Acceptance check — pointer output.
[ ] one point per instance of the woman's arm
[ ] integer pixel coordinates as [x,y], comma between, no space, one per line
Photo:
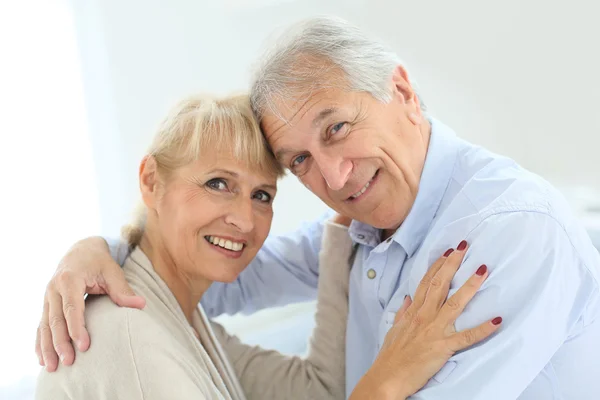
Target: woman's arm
[266,374]
[423,336]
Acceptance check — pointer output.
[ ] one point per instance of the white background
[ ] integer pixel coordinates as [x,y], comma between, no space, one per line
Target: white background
[84,83]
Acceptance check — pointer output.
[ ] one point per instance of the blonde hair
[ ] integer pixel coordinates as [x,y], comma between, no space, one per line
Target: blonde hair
[206,123]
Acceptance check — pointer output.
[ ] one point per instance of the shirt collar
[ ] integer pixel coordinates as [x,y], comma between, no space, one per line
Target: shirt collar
[437,171]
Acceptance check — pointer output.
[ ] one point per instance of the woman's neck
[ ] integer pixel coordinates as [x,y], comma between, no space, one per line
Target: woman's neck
[187,290]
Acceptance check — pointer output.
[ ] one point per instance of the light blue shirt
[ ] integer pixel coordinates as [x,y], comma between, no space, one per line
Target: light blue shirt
[544,278]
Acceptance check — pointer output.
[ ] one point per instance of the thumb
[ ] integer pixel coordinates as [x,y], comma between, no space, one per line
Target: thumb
[402,310]
[121,293]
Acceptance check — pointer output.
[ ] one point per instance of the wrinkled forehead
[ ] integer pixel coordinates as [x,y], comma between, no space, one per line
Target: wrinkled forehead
[296,116]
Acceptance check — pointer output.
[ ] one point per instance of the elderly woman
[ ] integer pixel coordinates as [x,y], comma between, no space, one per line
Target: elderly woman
[207,187]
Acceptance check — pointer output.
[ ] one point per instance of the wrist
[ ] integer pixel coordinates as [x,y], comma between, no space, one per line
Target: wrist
[373,387]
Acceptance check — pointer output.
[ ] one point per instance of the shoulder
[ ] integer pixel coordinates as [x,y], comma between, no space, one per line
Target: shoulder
[492,183]
[106,369]
[491,191]
[110,367]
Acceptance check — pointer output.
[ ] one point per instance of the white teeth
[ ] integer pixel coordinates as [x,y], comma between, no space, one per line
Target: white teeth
[226,244]
[361,191]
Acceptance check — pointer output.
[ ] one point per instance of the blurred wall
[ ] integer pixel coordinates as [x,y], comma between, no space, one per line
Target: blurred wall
[519,77]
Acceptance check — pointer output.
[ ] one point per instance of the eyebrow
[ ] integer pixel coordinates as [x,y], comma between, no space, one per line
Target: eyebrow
[236,175]
[280,154]
[322,115]
[224,171]
[272,187]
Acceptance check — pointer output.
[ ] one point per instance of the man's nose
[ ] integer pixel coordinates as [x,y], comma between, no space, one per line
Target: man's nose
[335,170]
[241,215]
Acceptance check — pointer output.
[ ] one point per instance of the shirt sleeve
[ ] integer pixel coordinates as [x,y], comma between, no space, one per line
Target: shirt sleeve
[119,250]
[285,271]
[540,287]
[266,374]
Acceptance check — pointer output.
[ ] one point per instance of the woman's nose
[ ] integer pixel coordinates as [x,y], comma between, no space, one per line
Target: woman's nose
[241,215]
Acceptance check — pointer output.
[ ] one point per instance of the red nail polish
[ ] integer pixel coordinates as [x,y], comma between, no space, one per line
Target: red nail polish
[497,321]
[481,270]
[448,252]
[462,245]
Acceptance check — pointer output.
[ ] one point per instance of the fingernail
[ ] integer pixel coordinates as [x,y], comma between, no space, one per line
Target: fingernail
[79,344]
[462,245]
[448,252]
[481,270]
[62,357]
[497,321]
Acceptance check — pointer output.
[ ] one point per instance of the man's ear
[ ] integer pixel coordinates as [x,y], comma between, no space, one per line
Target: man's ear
[403,90]
[148,175]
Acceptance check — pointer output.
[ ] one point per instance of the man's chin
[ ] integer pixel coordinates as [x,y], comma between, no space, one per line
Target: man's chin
[386,222]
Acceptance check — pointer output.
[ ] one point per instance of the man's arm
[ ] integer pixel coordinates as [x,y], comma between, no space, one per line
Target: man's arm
[285,271]
[537,283]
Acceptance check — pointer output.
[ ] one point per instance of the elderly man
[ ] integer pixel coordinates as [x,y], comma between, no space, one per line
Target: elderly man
[340,112]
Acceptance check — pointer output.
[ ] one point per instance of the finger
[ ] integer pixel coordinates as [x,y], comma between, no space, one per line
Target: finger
[72,291]
[458,301]
[47,347]
[407,302]
[38,347]
[462,340]
[58,325]
[439,286]
[121,293]
[421,291]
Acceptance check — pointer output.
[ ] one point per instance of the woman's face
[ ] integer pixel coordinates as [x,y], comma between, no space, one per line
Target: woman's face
[211,216]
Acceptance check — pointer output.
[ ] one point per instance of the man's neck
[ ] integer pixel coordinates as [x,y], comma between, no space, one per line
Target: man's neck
[425,130]
[187,290]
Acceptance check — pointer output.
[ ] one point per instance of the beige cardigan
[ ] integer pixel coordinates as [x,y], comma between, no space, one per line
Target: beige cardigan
[154,354]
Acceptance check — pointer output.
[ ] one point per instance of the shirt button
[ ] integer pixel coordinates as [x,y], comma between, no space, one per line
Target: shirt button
[360,236]
[371,274]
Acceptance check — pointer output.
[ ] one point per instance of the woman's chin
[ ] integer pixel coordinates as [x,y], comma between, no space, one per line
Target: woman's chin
[228,275]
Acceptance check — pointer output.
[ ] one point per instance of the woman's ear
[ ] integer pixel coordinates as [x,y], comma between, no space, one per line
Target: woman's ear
[148,175]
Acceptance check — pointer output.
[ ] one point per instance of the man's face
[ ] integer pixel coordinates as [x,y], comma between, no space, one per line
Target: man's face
[362,157]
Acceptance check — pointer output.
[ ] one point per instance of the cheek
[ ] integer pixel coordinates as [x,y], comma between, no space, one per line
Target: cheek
[313,180]
[182,216]
[263,219]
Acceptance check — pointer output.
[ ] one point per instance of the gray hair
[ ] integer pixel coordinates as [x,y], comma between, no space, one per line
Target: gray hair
[318,53]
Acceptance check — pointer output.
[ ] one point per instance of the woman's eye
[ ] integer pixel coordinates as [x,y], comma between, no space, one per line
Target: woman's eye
[336,128]
[263,197]
[298,160]
[217,184]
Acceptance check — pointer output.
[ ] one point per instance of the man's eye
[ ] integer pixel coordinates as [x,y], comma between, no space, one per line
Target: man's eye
[298,160]
[217,184]
[263,197]
[337,127]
